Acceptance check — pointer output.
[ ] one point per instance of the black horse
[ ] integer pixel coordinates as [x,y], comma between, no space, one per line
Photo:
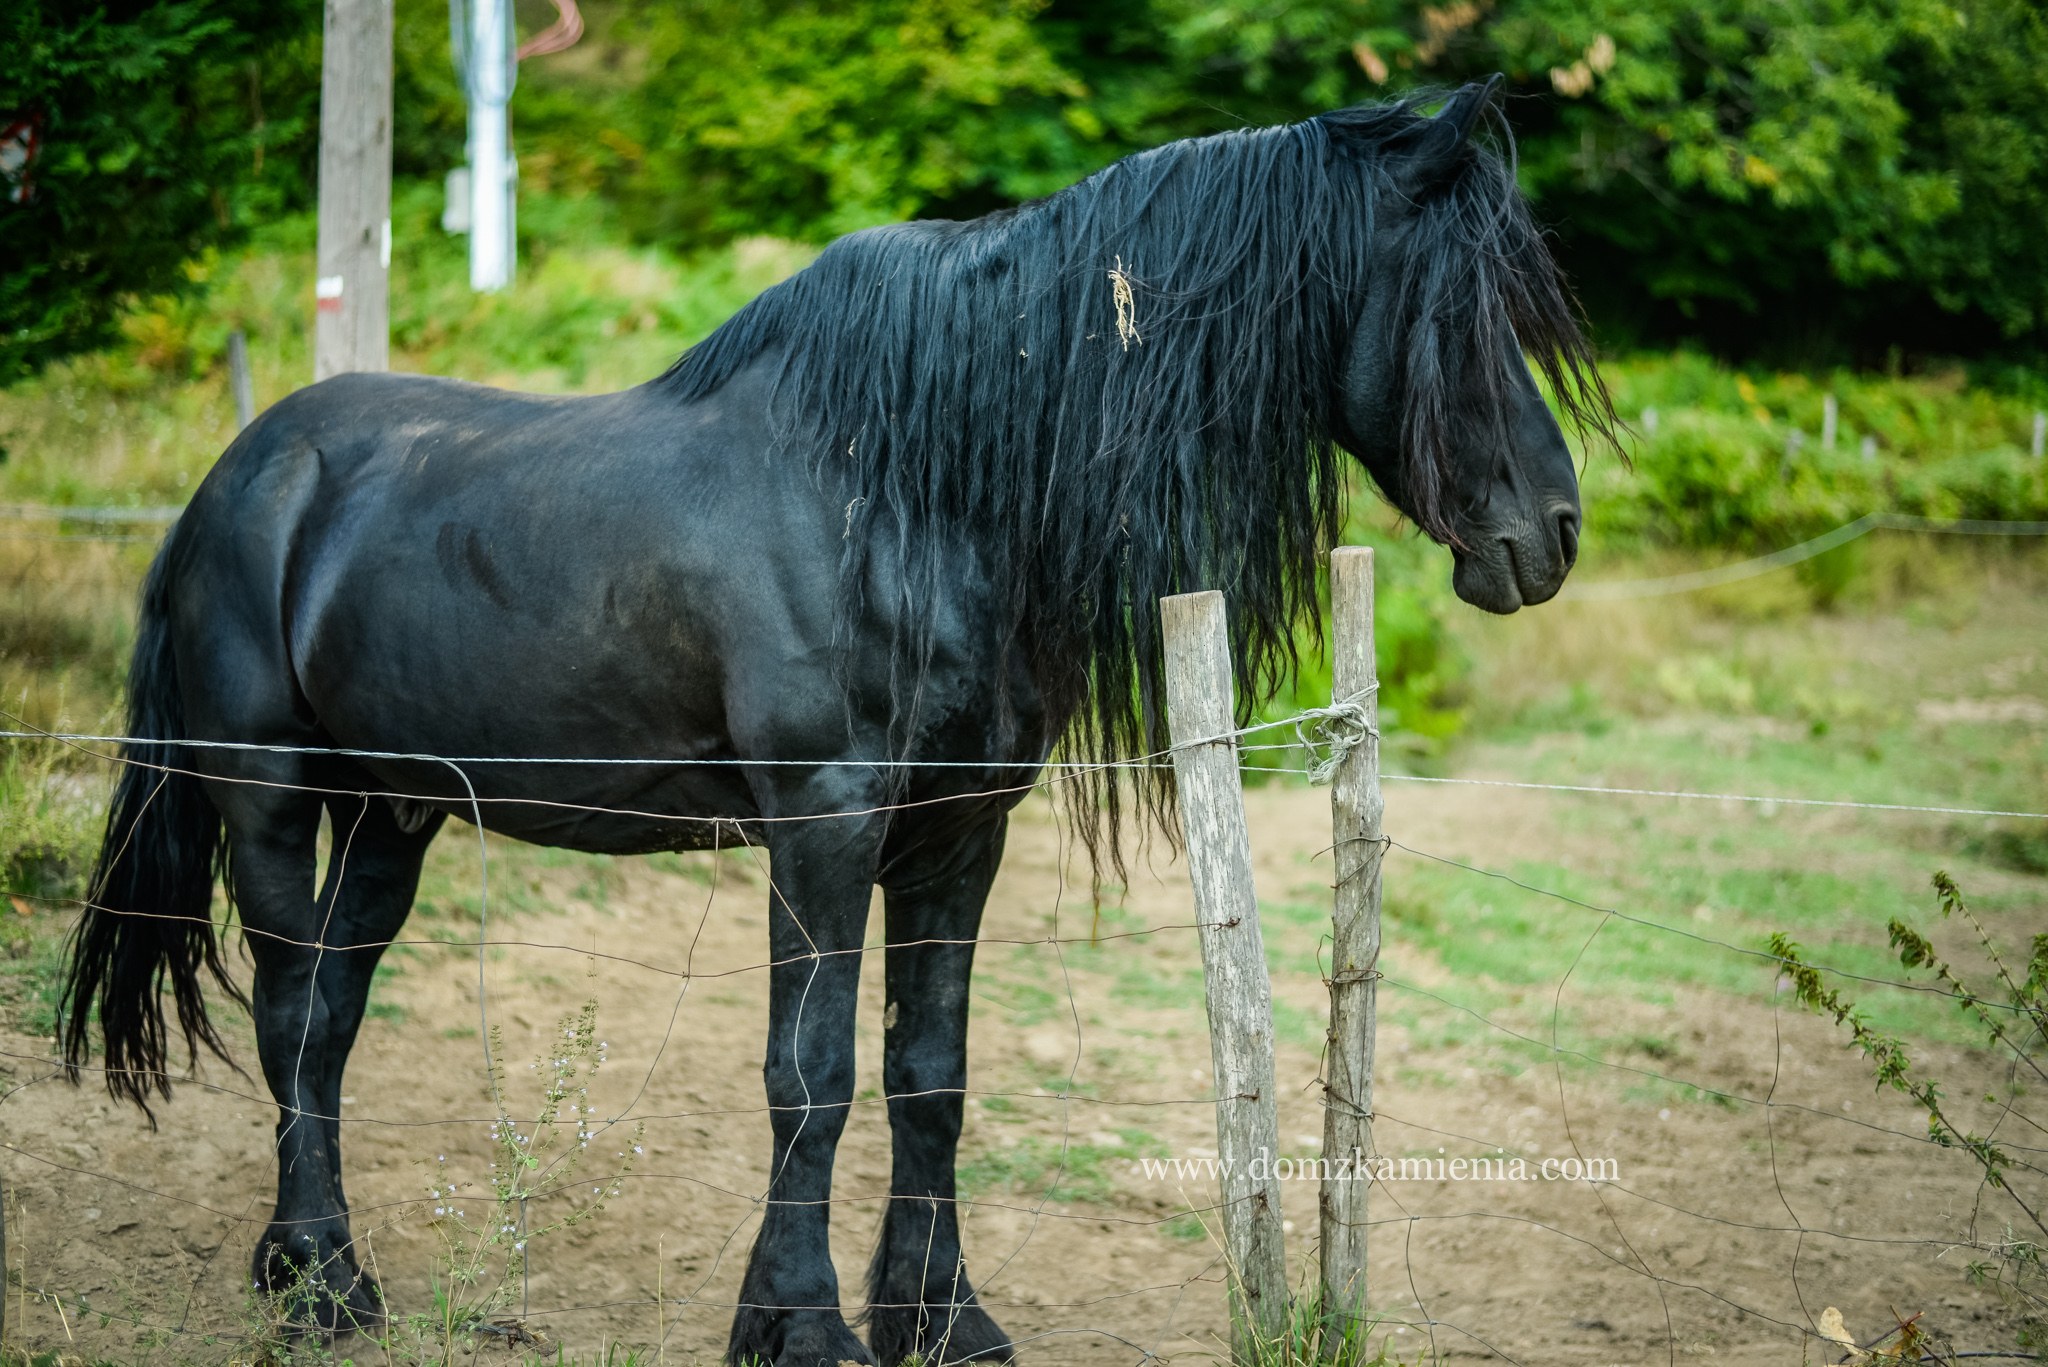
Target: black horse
[875,547]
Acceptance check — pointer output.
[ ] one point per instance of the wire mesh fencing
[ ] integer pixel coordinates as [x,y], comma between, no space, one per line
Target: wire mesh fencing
[1606,1129]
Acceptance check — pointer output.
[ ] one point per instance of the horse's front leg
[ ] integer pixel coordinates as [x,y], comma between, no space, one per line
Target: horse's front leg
[920,1303]
[822,871]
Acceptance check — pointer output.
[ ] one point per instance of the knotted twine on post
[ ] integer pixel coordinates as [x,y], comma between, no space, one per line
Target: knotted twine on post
[1330,733]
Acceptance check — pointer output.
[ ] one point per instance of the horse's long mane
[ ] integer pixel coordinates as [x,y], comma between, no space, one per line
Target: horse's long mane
[1126,390]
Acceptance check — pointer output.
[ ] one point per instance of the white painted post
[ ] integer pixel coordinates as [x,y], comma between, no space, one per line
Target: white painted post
[239,381]
[1355,811]
[489,74]
[1830,414]
[1240,997]
[2040,433]
[352,293]
[1795,441]
[1869,448]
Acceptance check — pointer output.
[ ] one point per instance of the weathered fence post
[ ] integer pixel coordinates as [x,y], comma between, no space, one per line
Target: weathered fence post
[1240,997]
[2040,441]
[1355,810]
[1830,415]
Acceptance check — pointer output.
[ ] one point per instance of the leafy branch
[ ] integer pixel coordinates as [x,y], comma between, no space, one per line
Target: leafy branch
[2014,1019]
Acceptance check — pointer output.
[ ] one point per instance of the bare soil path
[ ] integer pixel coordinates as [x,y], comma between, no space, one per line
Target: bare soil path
[1731,1226]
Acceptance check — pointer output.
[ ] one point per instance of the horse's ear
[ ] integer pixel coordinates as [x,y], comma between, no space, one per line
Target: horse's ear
[1437,151]
[1461,113]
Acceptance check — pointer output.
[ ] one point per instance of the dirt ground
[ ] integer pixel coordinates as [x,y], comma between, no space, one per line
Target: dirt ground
[1731,1228]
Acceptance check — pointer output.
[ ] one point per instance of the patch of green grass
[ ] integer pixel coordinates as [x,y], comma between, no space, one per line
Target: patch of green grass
[1040,1168]
[705,868]
[452,887]
[378,1007]
[1149,982]
[50,823]
[1661,1092]
[2013,845]
[1686,925]
[50,820]
[1014,987]
[1913,701]
[610,1355]
[32,967]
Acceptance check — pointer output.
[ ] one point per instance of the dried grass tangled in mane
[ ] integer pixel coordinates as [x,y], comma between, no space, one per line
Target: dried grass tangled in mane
[1127,390]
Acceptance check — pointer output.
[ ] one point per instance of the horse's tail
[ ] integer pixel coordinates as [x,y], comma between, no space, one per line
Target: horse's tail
[149,914]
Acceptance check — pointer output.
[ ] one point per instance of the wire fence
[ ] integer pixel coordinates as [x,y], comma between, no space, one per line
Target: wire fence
[1745,1230]
[1431,1329]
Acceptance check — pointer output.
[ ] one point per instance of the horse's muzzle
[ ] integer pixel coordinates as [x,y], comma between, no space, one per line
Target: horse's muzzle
[1501,569]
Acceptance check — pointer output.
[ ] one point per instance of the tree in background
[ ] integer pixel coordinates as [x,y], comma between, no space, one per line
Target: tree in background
[151,135]
[1814,178]
[1811,177]
[805,118]
[159,132]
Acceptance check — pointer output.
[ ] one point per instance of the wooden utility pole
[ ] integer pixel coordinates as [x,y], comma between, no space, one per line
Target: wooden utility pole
[1239,994]
[1355,810]
[352,294]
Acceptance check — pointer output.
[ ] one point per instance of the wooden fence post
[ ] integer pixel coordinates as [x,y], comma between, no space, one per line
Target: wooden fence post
[1355,809]
[1240,996]
[352,295]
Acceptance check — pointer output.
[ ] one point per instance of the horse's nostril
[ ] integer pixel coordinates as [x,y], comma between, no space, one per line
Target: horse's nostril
[1568,536]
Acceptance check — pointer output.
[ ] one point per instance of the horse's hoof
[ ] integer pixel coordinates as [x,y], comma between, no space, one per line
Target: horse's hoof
[935,1335]
[794,1338]
[310,1274]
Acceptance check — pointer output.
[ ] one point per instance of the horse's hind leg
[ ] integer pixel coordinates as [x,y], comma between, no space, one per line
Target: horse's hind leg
[920,1302]
[371,893]
[314,958]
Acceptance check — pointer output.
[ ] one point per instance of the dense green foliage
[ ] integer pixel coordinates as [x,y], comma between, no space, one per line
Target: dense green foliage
[1724,460]
[161,129]
[1799,180]
[1807,178]
[165,132]
[1817,171]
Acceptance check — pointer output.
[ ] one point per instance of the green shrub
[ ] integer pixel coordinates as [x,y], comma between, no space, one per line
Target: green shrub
[1716,462]
[49,823]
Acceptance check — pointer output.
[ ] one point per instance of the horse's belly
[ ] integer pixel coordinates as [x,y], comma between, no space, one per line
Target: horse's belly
[605,820]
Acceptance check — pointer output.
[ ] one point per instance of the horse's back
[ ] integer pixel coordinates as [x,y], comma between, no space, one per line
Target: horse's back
[401,563]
